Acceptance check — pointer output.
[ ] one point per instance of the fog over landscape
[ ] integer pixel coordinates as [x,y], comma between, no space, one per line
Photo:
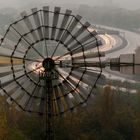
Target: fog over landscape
[127,4]
[122,14]
[69,69]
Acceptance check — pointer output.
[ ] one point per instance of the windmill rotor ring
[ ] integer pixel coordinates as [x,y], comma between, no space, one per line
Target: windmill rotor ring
[49,40]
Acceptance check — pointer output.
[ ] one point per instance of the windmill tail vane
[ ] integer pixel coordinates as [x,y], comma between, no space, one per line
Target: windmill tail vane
[125,63]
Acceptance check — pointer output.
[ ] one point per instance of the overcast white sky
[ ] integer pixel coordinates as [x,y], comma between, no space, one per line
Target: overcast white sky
[129,4]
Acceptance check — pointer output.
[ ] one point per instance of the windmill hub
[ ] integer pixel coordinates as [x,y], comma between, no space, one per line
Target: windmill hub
[48,64]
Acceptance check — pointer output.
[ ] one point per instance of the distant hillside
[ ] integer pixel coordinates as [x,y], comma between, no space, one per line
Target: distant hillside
[111,16]
[6,16]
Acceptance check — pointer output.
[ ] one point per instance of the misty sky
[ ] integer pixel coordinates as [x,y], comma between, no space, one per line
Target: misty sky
[129,4]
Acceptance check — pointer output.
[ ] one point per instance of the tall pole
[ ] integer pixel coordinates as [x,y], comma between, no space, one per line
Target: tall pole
[49,107]
[48,75]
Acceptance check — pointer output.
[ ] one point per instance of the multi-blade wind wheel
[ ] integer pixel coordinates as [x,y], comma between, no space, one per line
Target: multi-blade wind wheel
[50,63]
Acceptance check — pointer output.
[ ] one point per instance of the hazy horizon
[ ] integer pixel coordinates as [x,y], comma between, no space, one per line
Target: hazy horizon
[127,4]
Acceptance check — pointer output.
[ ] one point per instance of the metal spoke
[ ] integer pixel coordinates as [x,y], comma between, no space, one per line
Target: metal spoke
[65,79]
[33,60]
[74,88]
[10,97]
[68,53]
[46,48]
[15,57]
[27,73]
[27,59]
[32,93]
[29,43]
[61,37]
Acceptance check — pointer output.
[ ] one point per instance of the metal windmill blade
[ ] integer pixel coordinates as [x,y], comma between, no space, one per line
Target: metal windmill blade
[51,62]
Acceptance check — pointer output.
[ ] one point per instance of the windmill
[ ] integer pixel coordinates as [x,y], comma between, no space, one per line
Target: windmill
[51,63]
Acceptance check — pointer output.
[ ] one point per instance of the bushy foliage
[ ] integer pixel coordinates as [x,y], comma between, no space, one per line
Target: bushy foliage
[112,116]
